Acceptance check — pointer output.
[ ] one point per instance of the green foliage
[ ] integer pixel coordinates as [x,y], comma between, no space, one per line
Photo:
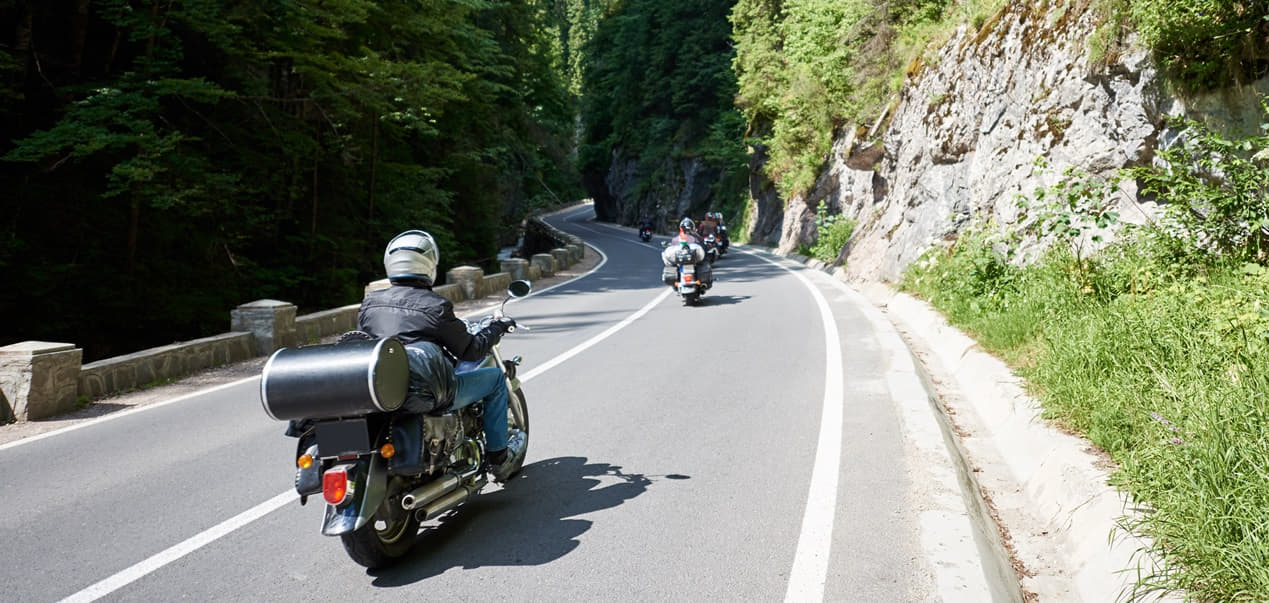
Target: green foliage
[1163,368]
[1075,211]
[1216,190]
[1156,348]
[195,155]
[833,232]
[1205,43]
[658,87]
[808,68]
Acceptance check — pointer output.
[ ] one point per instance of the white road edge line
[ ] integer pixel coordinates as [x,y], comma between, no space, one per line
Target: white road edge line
[197,541]
[810,562]
[123,413]
[127,576]
[596,339]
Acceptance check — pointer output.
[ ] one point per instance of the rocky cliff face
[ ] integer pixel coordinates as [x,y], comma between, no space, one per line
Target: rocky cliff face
[964,137]
[680,187]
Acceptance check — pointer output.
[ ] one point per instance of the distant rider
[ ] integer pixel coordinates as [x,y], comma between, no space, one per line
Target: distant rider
[410,311]
[686,239]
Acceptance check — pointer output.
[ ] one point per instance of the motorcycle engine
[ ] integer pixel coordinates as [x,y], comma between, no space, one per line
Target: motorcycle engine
[441,435]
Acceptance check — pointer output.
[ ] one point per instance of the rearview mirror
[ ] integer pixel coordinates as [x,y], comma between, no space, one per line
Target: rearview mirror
[519,288]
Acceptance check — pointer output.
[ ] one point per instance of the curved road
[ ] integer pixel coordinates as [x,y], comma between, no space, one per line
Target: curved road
[773,443]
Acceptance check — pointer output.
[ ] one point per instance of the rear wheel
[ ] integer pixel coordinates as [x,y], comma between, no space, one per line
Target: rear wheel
[387,536]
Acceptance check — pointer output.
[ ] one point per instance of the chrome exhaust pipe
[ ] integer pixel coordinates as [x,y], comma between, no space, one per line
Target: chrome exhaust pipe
[451,500]
[439,487]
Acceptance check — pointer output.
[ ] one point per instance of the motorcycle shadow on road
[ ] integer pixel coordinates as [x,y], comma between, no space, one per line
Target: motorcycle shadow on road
[722,300]
[528,522]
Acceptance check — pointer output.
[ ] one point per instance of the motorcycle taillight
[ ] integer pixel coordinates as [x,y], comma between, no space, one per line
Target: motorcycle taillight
[335,485]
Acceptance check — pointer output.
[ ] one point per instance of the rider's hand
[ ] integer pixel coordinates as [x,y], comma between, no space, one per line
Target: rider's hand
[506,324]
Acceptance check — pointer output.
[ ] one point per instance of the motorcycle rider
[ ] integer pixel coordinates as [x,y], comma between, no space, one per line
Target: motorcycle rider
[410,311]
[686,238]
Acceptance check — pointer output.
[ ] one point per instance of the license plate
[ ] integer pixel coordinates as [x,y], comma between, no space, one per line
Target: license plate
[689,269]
[342,437]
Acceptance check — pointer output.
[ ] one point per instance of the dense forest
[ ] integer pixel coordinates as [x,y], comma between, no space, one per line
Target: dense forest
[167,160]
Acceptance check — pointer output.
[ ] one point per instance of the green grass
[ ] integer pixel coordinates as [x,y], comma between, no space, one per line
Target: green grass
[1163,364]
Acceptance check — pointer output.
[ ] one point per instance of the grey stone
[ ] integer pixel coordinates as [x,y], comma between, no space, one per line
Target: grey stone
[467,278]
[495,285]
[38,378]
[516,267]
[544,262]
[272,322]
[562,258]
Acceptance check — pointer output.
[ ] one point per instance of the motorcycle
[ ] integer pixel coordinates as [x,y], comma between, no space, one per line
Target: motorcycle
[380,472]
[687,271]
[711,248]
[645,234]
[723,240]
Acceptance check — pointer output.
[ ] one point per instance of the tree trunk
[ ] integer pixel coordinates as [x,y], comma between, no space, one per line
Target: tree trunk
[22,44]
[312,226]
[374,159]
[79,32]
[134,225]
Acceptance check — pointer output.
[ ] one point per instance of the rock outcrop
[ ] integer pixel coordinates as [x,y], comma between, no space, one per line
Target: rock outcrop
[965,134]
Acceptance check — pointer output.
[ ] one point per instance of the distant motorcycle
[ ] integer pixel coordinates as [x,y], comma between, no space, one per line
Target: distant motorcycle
[687,271]
[381,473]
[711,248]
[645,234]
[723,240]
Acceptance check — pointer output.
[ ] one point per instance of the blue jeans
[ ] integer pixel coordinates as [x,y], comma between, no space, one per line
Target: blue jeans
[489,385]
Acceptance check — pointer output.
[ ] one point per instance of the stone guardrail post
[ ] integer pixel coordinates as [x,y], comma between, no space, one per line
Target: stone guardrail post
[577,252]
[272,322]
[518,268]
[38,379]
[467,278]
[562,257]
[545,262]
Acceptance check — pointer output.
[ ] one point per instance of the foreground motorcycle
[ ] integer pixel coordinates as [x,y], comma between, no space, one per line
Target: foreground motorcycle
[687,271]
[382,472]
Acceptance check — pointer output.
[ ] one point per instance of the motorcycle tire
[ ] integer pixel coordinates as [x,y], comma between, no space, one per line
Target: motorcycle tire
[382,541]
[518,418]
[691,299]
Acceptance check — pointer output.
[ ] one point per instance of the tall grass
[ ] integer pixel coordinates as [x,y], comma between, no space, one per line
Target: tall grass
[1164,365]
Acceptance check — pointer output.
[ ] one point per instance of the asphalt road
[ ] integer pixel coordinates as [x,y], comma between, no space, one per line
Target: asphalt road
[769,444]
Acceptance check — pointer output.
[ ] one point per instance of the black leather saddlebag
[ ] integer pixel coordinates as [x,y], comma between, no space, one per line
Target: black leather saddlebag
[337,380]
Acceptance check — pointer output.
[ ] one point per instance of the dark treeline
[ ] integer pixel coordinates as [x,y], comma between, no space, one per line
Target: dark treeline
[166,160]
[659,88]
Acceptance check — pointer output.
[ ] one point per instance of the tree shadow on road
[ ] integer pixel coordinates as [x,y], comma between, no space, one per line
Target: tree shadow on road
[528,522]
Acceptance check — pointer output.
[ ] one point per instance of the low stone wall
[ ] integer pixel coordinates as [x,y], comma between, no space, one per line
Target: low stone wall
[41,379]
[123,373]
[311,328]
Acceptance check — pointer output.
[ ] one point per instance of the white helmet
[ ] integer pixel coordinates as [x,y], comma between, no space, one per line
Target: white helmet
[411,255]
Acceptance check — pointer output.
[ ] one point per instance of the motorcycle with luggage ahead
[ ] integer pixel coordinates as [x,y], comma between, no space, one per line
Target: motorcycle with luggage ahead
[686,270]
[381,471]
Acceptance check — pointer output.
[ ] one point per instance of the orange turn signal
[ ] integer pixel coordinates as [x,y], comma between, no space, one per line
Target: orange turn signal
[305,461]
[387,451]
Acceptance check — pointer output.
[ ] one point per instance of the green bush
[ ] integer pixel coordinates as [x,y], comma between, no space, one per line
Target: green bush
[1205,43]
[1156,349]
[834,232]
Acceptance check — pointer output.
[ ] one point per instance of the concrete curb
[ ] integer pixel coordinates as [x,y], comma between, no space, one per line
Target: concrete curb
[1048,489]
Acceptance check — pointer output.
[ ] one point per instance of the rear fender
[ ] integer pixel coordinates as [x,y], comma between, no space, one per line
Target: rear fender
[370,474]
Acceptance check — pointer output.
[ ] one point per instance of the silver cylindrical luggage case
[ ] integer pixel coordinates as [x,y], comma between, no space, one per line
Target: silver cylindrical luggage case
[336,380]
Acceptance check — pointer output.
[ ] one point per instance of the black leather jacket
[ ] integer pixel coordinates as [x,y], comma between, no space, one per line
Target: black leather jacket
[418,314]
